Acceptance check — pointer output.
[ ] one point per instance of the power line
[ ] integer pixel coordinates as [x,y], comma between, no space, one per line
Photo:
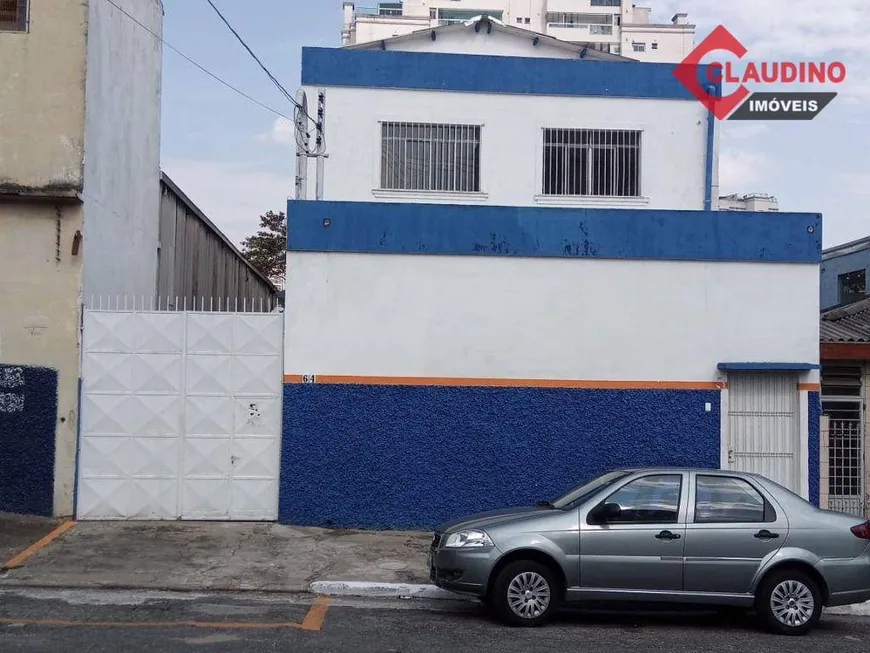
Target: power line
[257,59]
[198,65]
[301,129]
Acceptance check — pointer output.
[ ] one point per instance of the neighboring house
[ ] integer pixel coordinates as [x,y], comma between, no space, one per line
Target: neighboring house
[79,168]
[753,202]
[844,273]
[81,223]
[506,289]
[845,354]
[614,26]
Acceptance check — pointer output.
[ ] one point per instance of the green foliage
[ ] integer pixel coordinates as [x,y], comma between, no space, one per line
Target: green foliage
[267,249]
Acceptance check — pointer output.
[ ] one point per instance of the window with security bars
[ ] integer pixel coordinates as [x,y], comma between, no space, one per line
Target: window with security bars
[591,163]
[430,157]
[13,15]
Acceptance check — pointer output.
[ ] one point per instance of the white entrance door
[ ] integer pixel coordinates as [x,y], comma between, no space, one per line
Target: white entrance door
[763,435]
[181,416]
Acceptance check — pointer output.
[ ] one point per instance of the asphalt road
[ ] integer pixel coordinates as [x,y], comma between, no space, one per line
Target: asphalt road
[96,621]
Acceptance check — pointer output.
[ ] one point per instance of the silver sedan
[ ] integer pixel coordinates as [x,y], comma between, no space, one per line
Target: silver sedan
[664,535]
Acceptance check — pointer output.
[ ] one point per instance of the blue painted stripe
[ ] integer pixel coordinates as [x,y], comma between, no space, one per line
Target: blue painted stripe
[709,163]
[467,230]
[769,367]
[78,453]
[491,74]
[814,463]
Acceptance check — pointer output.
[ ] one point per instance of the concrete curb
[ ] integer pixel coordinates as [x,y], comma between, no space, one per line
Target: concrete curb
[857,610]
[384,590]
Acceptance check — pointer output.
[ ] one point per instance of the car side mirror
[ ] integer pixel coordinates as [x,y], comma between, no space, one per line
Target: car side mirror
[604,512]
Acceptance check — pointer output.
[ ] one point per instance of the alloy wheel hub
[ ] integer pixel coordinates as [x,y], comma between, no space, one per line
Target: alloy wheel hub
[528,595]
[792,603]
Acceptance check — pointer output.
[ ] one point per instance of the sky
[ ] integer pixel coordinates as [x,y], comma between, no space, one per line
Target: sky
[236,159]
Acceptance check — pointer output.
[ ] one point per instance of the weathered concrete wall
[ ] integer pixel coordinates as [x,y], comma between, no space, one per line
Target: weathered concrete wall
[39,283]
[42,100]
[122,149]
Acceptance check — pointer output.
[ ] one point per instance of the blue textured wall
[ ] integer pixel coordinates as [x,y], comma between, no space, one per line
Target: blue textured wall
[412,457]
[815,465]
[493,74]
[28,415]
[570,232]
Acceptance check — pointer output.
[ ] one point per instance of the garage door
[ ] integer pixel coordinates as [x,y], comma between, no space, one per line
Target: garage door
[180,416]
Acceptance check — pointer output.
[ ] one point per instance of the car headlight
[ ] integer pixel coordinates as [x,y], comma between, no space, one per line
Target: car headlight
[468,540]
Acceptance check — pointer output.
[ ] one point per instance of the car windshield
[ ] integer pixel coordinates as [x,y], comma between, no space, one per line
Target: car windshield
[580,493]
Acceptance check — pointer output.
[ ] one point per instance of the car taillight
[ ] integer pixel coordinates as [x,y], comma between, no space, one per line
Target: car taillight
[862,531]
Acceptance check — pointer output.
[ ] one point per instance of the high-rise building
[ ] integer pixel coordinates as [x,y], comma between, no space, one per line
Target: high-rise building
[615,26]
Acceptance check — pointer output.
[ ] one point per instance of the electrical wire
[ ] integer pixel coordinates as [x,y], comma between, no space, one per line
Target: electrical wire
[198,65]
[302,133]
[257,59]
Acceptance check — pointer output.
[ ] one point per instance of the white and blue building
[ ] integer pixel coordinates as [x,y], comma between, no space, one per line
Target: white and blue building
[517,277]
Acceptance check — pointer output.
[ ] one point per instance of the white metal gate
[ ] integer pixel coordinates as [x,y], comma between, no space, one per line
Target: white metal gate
[180,415]
[764,426]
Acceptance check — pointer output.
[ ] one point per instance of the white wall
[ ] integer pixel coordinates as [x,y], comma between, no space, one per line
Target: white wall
[673,45]
[122,149]
[378,28]
[673,149]
[527,318]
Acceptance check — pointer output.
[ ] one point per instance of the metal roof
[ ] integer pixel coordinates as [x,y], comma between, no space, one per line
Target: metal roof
[580,49]
[849,323]
[846,248]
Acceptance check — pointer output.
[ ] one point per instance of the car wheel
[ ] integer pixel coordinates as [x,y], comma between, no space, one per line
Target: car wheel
[525,593]
[789,602]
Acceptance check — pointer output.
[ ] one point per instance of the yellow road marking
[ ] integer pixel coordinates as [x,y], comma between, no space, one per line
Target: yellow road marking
[313,621]
[217,625]
[18,560]
[316,613]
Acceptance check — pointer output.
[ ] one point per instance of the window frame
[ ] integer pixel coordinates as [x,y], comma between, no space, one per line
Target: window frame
[550,198]
[23,20]
[841,299]
[769,514]
[638,46]
[377,161]
[681,501]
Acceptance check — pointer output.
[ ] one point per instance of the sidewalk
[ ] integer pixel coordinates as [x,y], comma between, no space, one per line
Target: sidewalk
[197,556]
[208,556]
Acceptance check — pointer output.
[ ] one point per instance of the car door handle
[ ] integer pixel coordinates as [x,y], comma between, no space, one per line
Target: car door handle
[667,535]
[765,535]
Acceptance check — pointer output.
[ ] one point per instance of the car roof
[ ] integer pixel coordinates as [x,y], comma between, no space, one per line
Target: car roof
[700,470]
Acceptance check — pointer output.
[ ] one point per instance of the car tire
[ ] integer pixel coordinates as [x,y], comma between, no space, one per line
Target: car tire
[789,602]
[525,593]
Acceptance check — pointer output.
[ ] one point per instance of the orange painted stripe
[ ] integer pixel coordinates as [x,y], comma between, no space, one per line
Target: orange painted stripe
[810,387]
[329,379]
[18,560]
[316,613]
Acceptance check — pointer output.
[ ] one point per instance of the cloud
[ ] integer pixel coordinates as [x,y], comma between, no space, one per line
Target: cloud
[857,183]
[741,171]
[790,29]
[283,132]
[232,195]
[743,131]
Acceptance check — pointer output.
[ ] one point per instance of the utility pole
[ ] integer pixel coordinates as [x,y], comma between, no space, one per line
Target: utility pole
[303,144]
